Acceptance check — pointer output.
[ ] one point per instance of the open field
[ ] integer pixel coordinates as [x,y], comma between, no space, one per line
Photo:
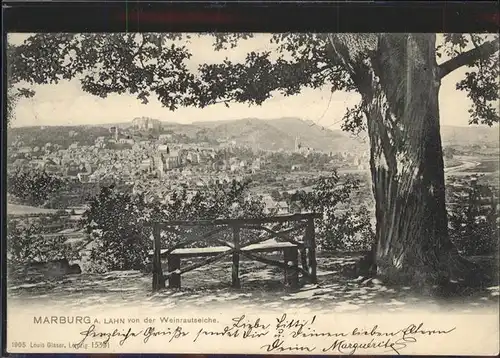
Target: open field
[15,209]
[486,165]
[474,164]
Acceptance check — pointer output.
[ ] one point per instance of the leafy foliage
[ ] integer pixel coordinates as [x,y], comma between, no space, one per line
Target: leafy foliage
[32,187]
[481,79]
[25,244]
[56,135]
[115,221]
[220,200]
[108,63]
[275,195]
[347,229]
[156,64]
[474,225]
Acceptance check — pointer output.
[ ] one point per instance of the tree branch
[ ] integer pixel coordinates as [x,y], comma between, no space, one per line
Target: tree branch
[467,58]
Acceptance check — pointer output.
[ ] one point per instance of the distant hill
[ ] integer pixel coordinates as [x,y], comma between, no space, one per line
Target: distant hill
[318,137]
[254,133]
[470,135]
[273,134]
[279,133]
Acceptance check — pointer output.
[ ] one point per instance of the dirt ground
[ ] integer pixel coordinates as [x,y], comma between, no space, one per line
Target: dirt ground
[261,287]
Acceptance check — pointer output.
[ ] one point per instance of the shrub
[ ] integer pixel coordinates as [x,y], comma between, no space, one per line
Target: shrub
[276,195]
[339,229]
[33,187]
[220,200]
[25,245]
[114,221]
[474,226]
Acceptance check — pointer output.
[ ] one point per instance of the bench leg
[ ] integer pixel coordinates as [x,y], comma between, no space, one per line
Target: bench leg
[174,263]
[158,281]
[291,256]
[235,273]
[303,259]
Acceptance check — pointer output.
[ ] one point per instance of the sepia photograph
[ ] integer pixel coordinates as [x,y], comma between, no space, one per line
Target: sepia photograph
[285,193]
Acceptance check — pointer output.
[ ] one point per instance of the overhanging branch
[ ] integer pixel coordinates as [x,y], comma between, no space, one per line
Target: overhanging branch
[468,57]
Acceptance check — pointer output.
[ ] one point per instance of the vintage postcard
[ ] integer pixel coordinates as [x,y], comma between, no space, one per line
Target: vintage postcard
[253,193]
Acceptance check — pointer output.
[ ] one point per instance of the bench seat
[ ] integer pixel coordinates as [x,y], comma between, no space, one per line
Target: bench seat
[200,251]
[269,246]
[290,252]
[265,246]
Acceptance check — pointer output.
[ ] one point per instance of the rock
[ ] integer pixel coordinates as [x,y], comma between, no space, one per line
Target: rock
[395,302]
[346,307]
[367,281]
[376,281]
[148,268]
[52,269]
[75,269]
[309,286]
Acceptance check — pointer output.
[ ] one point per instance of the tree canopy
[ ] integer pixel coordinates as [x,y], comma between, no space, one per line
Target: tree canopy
[147,65]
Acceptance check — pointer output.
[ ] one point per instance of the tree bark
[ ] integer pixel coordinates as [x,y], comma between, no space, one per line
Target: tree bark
[399,79]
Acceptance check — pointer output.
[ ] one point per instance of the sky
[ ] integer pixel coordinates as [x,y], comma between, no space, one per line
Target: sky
[66,104]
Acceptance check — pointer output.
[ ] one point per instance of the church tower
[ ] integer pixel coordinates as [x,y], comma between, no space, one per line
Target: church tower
[297,143]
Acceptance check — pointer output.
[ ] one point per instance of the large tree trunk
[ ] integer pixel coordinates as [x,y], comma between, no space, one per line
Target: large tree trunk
[406,161]
[399,80]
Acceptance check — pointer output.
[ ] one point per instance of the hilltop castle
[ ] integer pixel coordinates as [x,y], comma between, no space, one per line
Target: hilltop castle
[146,123]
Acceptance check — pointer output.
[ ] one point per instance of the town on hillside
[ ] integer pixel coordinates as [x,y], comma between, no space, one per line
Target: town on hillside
[147,158]
[155,158]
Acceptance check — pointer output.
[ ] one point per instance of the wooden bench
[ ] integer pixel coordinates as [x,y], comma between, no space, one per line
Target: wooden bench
[290,253]
[221,248]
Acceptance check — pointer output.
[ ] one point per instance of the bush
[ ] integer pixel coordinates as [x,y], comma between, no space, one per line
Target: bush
[339,230]
[219,201]
[474,226]
[115,220]
[276,195]
[26,245]
[33,187]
